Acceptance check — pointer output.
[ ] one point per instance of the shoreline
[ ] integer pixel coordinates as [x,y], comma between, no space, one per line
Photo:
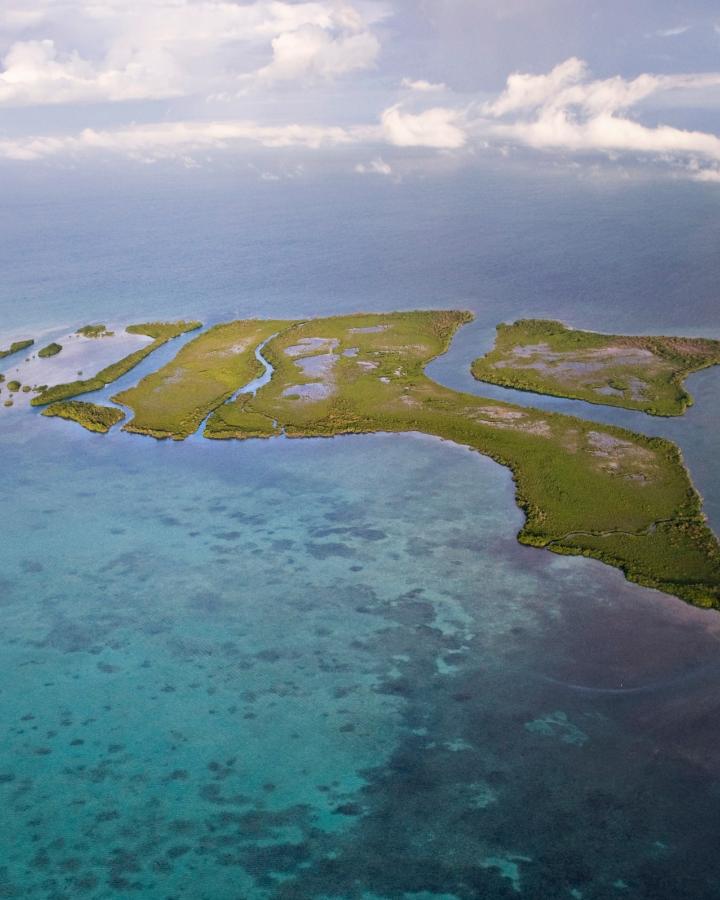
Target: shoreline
[605,492]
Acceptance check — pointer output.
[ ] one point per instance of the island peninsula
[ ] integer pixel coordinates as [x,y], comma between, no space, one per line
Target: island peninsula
[643,373]
[598,491]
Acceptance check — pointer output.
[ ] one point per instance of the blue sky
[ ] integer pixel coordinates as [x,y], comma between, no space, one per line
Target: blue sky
[380,86]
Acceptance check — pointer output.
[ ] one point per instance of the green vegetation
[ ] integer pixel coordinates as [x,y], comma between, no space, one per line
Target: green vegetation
[13,385]
[161,332]
[643,373]
[51,350]
[16,347]
[586,489]
[173,402]
[89,415]
[95,331]
[231,420]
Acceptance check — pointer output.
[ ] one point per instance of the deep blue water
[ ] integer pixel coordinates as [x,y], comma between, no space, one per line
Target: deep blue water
[325,669]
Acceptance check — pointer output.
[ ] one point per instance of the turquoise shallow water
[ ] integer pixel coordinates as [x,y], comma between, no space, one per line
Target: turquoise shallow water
[321,668]
[326,669]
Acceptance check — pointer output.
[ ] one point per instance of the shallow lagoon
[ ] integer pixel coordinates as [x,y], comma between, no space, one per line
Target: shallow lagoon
[326,669]
[79,356]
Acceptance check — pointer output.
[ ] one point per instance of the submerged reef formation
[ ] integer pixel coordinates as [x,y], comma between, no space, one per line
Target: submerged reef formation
[89,415]
[160,332]
[16,347]
[586,489]
[643,373]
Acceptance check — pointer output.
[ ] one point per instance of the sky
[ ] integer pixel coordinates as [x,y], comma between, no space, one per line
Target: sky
[379,87]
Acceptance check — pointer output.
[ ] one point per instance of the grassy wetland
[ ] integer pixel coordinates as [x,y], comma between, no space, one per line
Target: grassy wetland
[640,373]
[160,332]
[174,401]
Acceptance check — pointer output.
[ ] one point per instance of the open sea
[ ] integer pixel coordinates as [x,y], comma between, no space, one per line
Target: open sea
[279,670]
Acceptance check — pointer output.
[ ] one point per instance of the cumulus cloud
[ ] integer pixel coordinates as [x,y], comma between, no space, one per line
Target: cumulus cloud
[422,86]
[569,86]
[315,51]
[566,109]
[93,50]
[35,73]
[375,167]
[439,128]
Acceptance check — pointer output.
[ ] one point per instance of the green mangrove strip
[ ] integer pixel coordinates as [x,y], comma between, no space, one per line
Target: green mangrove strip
[90,415]
[16,347]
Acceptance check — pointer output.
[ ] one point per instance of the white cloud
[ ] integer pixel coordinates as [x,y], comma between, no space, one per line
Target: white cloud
[35,73]
[436,128]
[567,110]
[569,86]
[707,175]
[564,110]
[90,50]
[422,86]
[375,167]
[20,18]
[178,139]
[315,51]
[672,32]
[439,128]
[607,133]
[527,92]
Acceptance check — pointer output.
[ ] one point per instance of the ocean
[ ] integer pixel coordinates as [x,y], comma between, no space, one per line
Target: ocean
[325,668]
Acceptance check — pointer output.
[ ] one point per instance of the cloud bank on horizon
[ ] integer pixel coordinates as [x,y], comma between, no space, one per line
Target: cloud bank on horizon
[183,79]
